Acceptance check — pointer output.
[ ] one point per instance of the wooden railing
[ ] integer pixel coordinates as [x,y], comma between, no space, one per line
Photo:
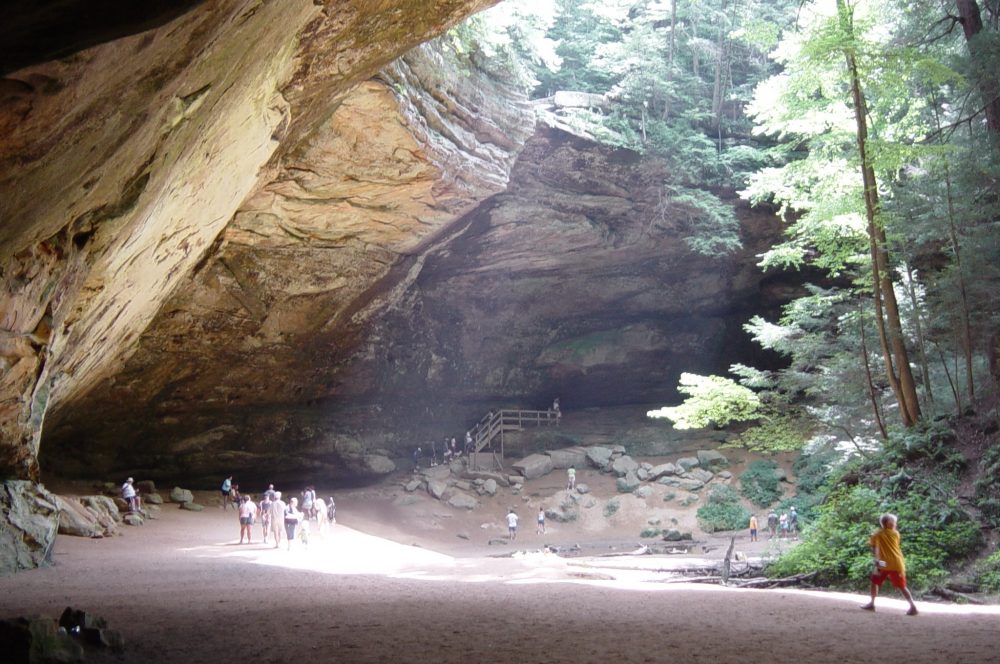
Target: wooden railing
[492,427]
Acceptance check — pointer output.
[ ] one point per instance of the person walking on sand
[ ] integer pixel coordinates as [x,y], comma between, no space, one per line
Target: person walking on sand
[772,524]
[571,478]
[541,521]
[511,525]
[247,511]
[753,527]
[277,518]
[889,562]
[227,487]
[264,510]
[293,517]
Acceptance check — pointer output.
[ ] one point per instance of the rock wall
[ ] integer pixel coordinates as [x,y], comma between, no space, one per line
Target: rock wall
[121,165]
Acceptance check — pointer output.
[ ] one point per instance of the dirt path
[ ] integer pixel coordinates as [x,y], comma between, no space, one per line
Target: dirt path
[182,590]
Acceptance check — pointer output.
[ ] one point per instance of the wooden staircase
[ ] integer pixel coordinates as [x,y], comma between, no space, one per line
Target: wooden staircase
[488,434]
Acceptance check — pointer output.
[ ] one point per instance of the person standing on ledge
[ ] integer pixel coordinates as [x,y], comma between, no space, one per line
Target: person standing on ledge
[227,486]
[889,562]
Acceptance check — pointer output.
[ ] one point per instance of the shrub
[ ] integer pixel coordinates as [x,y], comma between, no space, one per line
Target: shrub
[988,574]
[651,532]
[760,484]
[723,511]
[934,530]
[988,487]
[611,507]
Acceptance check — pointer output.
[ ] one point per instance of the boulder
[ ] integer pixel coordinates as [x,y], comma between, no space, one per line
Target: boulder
[490,487]
[656,472]
[152,498]
[461,500]
[145,486]
[77,520]
[617,450]
[412,485]
[643,492]
[29,521]
[534,466]
[582,488]
[517,480]
[568,457]
[628,483]
[463,485]
[437,488]
[624,465]
[642,474]
[599,457]
[179,495]
[192,506]
[712,459]
[104,507]
[726,475]
[690,484]
[499,478]
[441,472]
[687,463]
[133,519]
[699,474]
[120,504]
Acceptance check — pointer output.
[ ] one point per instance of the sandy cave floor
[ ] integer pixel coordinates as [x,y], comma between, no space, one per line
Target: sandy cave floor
[393,583]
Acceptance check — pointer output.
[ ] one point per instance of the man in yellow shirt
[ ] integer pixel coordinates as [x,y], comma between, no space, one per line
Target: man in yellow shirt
[889,562]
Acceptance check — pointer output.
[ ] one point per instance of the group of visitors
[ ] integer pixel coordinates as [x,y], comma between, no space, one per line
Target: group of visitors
[785,526]
[450,450]
[280,520]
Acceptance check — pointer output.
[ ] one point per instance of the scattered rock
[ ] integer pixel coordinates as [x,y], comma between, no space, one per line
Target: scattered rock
[152,498]
[669,495]
[643,492]
[726,475]
[687,463]
[712,459]
[437,488]
[561,515]
[588,502]
[461,535]
[436,472]
[120,504]
[582,488]
[412,485]
[515,480]
[498,541]
[490,487]
[534,466]
[642,474]
[192,506]
[624,465]
[179,495]
[688,499]
[700,474]
[499,478]
[653,521]
[463,501]
[463,485]
[627,484]
[145,486]
[133,519]
[599,457]
[618,449]
[569,457]
[663,469]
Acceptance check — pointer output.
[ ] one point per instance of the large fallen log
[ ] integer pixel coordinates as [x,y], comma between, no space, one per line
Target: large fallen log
[960,598]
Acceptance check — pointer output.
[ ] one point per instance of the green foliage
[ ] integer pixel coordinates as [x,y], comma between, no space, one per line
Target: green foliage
[988,486]
[611,507]
[988,573]
[708,226]
[927,444]
[714,401]
[934,529]
[760,483]
[650,532]
[723,511]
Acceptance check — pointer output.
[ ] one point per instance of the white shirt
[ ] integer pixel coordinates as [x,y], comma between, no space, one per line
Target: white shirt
[511,520]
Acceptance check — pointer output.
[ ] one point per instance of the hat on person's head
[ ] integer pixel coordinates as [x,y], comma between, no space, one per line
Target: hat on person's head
[130,480]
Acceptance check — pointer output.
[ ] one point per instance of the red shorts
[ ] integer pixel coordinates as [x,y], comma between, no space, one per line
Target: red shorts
[895,578]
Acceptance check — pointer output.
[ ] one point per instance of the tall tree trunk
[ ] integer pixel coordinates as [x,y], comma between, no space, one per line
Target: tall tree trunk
[670,57]
[989,85]
[925,372]
[872,393]
[887,319]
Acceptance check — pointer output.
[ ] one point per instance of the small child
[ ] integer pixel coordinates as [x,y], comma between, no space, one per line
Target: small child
[889,562]
[541,521]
